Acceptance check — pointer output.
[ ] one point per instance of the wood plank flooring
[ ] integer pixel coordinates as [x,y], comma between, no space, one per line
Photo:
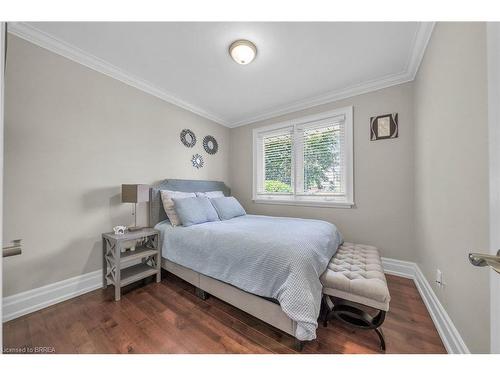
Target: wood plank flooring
[169,318]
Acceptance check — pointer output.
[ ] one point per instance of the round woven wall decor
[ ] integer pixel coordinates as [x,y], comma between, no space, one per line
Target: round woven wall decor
[197,161]
[188,138]
[210,145]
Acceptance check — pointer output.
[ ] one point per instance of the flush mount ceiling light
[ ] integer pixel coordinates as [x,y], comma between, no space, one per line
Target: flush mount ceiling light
[243,51]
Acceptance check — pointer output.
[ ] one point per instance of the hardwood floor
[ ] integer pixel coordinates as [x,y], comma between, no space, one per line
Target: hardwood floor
[169,318]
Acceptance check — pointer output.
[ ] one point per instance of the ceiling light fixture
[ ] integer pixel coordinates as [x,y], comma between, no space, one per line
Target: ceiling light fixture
[243,51]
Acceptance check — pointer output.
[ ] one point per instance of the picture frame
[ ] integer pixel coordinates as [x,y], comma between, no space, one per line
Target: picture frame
[384,127]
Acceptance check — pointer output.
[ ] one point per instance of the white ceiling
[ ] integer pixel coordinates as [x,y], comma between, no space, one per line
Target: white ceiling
[297,65]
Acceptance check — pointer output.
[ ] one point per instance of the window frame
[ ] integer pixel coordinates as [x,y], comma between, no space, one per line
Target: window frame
[295,199]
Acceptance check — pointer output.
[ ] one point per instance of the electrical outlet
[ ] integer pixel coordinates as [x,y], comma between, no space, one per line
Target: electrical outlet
[439,278]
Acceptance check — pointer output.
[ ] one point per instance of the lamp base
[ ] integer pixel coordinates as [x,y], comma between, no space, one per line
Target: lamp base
[133,229]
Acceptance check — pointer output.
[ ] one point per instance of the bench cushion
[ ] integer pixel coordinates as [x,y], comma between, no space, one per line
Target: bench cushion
[355,274]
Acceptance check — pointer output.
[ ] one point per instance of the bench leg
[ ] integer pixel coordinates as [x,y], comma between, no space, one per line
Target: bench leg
[326,310]
[381,337]
[323,312]
[355,317]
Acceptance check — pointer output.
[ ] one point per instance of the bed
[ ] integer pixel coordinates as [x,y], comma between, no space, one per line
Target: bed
[268,267]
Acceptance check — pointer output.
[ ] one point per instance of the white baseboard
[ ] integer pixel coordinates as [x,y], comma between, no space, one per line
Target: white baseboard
[32,300]
[449,334]
[35,299]
[399,268]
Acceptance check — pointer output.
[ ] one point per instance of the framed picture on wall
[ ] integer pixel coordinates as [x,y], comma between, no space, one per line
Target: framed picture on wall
[384,127]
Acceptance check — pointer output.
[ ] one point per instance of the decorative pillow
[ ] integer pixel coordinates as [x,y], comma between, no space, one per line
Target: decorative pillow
[195,210]
[228,207]
[211,194]
[168,204]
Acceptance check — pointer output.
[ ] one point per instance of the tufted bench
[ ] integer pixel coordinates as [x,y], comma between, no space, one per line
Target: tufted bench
[355,279]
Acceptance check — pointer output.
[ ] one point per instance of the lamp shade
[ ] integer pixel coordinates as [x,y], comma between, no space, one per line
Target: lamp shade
[135,193]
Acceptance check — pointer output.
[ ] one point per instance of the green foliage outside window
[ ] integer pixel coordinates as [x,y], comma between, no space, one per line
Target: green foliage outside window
[321,161]
[320,157]
[273,186]
[278,164]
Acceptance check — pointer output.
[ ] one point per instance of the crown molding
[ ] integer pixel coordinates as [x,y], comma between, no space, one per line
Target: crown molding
[44,40]
[60,47]
[332,96]
[420,41]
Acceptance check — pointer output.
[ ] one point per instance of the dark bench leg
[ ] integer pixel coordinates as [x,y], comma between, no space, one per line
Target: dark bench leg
[355,317]
[381,337]
[326,307]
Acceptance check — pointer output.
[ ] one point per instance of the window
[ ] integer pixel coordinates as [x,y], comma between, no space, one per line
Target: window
[306,161]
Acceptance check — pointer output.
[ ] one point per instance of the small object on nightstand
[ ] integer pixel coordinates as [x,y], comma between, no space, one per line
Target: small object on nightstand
[121,268]
[135,193]
[120,229]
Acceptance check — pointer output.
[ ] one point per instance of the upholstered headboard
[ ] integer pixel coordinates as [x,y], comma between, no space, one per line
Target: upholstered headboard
[156,211]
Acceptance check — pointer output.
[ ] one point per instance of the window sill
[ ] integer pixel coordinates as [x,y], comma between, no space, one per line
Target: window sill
[305,204]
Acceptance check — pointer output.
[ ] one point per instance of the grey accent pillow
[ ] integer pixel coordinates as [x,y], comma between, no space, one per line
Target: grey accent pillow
[168,204]
[211,194]
[228,207]
[195,210]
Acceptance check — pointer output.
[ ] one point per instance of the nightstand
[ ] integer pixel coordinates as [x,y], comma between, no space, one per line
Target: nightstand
[130,257]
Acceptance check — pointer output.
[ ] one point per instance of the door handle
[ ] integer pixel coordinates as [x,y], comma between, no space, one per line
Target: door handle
[483,260]
[11,250]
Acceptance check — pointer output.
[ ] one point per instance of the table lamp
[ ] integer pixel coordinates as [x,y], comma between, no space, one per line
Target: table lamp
[135,193]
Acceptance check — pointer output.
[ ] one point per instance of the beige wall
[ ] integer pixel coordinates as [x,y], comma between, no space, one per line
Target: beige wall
[72,137]
[451,173]
[383,175]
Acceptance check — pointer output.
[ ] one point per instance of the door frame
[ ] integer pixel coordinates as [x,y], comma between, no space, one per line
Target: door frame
[2,58]
[493,59]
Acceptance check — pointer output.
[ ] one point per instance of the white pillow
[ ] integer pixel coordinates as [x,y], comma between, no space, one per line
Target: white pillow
[168,204]
[211,194]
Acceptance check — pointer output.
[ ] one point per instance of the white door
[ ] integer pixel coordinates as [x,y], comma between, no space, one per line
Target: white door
[493,33]
[2,56]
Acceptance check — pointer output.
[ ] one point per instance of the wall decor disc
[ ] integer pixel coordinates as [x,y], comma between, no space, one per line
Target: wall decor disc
[197,161]
[188,138]
[210,145]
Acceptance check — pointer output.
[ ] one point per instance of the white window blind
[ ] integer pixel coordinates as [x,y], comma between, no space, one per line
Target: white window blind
[276,166]
[320,148]
[304,161]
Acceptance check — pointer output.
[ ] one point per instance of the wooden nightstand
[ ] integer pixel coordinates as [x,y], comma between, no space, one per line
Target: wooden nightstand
[130,257]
